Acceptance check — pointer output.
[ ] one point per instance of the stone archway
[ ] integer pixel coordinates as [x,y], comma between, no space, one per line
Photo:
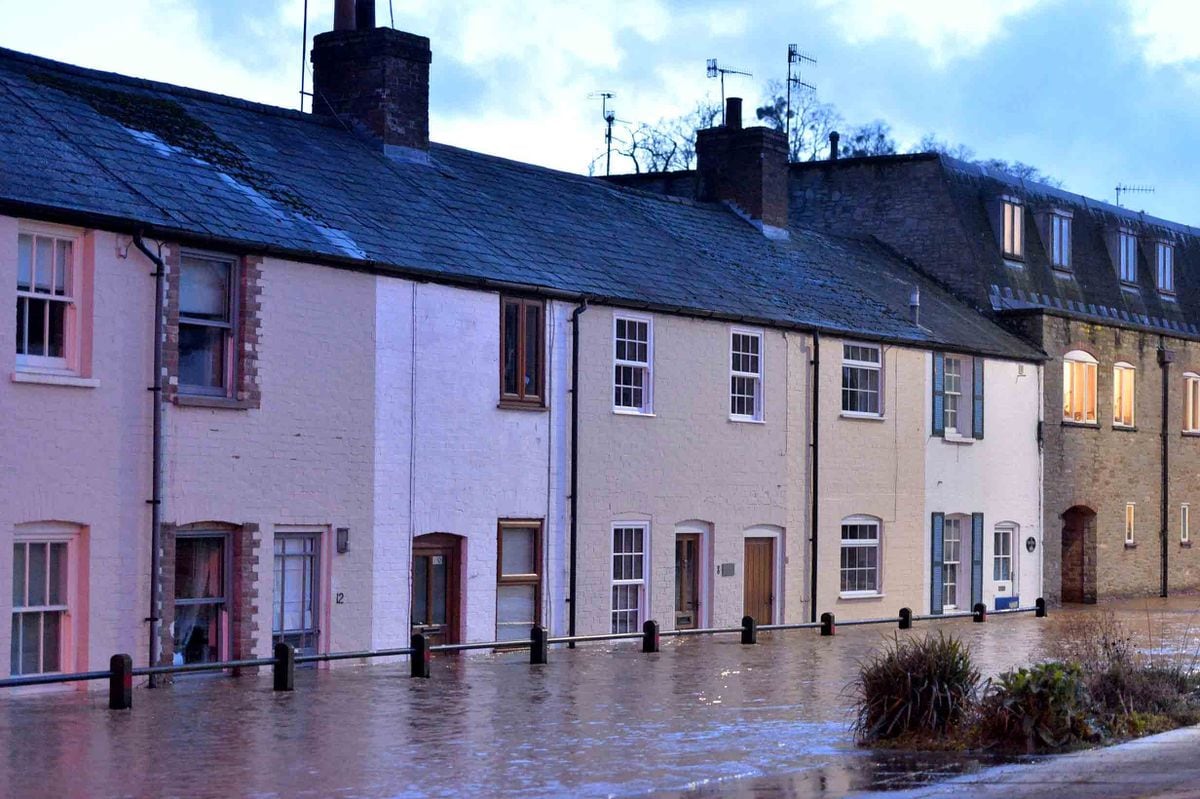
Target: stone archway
[1079,555]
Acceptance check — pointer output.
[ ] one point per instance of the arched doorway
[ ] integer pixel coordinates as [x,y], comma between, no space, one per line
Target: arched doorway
[1079,555]
[437,587]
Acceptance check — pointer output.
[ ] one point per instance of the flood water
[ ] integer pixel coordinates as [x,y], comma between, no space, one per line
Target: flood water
[706,717]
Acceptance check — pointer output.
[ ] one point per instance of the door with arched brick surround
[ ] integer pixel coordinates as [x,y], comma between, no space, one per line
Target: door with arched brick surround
[1079,555]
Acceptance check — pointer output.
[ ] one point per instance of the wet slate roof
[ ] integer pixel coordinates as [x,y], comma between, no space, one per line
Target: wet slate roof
[85,144]
[1091,288]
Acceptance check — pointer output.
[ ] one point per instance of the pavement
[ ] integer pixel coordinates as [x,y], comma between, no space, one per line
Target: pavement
[1165,766]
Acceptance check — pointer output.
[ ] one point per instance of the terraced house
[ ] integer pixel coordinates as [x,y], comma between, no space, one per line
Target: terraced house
[1111,296]
[392,389]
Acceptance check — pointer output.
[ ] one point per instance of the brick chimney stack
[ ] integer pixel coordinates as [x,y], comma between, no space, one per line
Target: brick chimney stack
[747,167]
[375,79]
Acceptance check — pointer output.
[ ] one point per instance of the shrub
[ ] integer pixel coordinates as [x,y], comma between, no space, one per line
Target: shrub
[919,686]
[1147,690]
[1047,706]
[1097,642]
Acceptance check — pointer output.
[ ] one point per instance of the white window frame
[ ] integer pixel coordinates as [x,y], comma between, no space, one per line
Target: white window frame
[646,367]
[1191,402]
[1130,520]
[1127,256]
[1011,531]
[1124,392]
[877,367]
[861,543]
[69,362]
[1185,523]
[755,377]
[949,522]
[1060,240]
[1013,211]
[952,404]
[641,583]
[1164,257]
[1080,371]
[53,533]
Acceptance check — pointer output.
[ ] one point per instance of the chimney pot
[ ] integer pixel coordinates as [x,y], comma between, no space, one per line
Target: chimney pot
[914,305]
[343,15]
[364,15]
[733,112]
[834,138]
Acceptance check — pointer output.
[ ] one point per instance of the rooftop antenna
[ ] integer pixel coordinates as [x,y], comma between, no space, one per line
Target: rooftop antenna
[1125,188]
[609,116]
[795,59]
[303,54]
[715,71]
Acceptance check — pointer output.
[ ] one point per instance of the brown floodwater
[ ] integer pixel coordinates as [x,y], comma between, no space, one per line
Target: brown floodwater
[707,716]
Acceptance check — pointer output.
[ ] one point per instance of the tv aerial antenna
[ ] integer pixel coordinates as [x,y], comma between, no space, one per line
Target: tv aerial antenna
[714,71]
[796,61]
[609,117]
[1125,188]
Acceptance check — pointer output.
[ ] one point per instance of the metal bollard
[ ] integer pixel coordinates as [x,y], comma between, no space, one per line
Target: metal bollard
[539,652]
[980,611]
[120,682]
[905,618]
[828,627]
[650,637]
[1040,604]
[283,670]
[749,630]
[420,658]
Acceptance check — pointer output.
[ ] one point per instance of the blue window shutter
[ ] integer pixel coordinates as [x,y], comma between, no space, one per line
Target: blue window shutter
[937,529]
[939,394]
[977,394]
[976,558]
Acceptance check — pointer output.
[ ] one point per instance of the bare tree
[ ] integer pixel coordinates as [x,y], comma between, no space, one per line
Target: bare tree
[873,138]
[669,144]
[930,143]
[811,121]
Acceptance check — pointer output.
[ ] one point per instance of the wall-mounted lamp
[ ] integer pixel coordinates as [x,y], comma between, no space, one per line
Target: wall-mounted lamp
[343,540]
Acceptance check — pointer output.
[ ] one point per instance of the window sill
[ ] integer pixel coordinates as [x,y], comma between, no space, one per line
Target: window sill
[746,420]
[861,595]
[1124,428]
[1014,261]
[1191,434]
[517,405]
[1167,296]
[1132,288]
[1131,545]
[955,438]
[632,412]
[1185,544]
[198,401]
[53,379]
[1085,425]
[865,417]
[1065,272]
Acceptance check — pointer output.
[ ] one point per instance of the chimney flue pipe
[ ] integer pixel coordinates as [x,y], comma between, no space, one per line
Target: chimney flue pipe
[733,112]
[343,15]
[364,15]
[834,137]
[914,305]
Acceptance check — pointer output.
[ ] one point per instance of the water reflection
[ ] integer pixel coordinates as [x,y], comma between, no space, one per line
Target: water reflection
[706,716]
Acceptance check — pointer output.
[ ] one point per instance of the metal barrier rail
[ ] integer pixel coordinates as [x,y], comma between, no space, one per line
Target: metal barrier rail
[121,671]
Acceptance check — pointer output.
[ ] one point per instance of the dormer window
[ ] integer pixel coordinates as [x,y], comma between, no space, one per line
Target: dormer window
[1014,229]
[1165,258]
[1128,257]
[1060,241]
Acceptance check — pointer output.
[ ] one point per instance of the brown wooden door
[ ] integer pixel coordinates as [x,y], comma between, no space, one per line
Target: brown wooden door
[687,581]
[435,589]
[759,567]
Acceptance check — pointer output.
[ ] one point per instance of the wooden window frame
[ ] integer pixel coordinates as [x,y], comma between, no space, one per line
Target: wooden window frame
[1123,372]
[76,286]
[230,377]
[647,366]
[1164,262]
[1130,521]
[1127,257]
[1060,241]
[864,366]
[1089,367]
[49,534]
[1185,524]
[641,583]
[224,603]
[533,578]
[1191,402]
[861,543]
[523,398]
[1012,232]
[755,378]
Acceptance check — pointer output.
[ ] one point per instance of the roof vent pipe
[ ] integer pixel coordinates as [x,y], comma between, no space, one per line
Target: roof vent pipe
[364,15]
[343,15]
[834,137]
[914,305]
[733,112]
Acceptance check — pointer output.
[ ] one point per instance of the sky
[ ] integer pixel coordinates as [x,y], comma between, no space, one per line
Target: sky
[1093,93]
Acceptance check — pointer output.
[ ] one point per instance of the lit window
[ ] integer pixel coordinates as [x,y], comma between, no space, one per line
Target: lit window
[47,321]
[40,630]
[206,322]
[632,367]
[518,580]
[1060,241]
[1002,539]
[201,601]
[1128,245]
[1191,403]
[1079,387]
[1185,532]
[861,379]
[1129,523]
[521,346]
[1014,229]
[294,615]
[629,580]
[1123,395]
[951,559]
[745,375]
[860,556]
[1165,257]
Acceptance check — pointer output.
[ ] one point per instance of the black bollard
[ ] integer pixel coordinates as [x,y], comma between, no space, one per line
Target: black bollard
[420,658]
[1040,604]
[120,682]
[827,624]
[749,630]
[539,651]
[650,638]
[283,670]
[980,611]
[905,618]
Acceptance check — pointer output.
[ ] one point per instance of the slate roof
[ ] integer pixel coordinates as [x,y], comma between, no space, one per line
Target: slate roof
[1091,288]
[118,152]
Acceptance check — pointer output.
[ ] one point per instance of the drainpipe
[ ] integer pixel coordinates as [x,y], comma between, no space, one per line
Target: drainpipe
[816,463]
[156,458]
[1165,357]
[574,463]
